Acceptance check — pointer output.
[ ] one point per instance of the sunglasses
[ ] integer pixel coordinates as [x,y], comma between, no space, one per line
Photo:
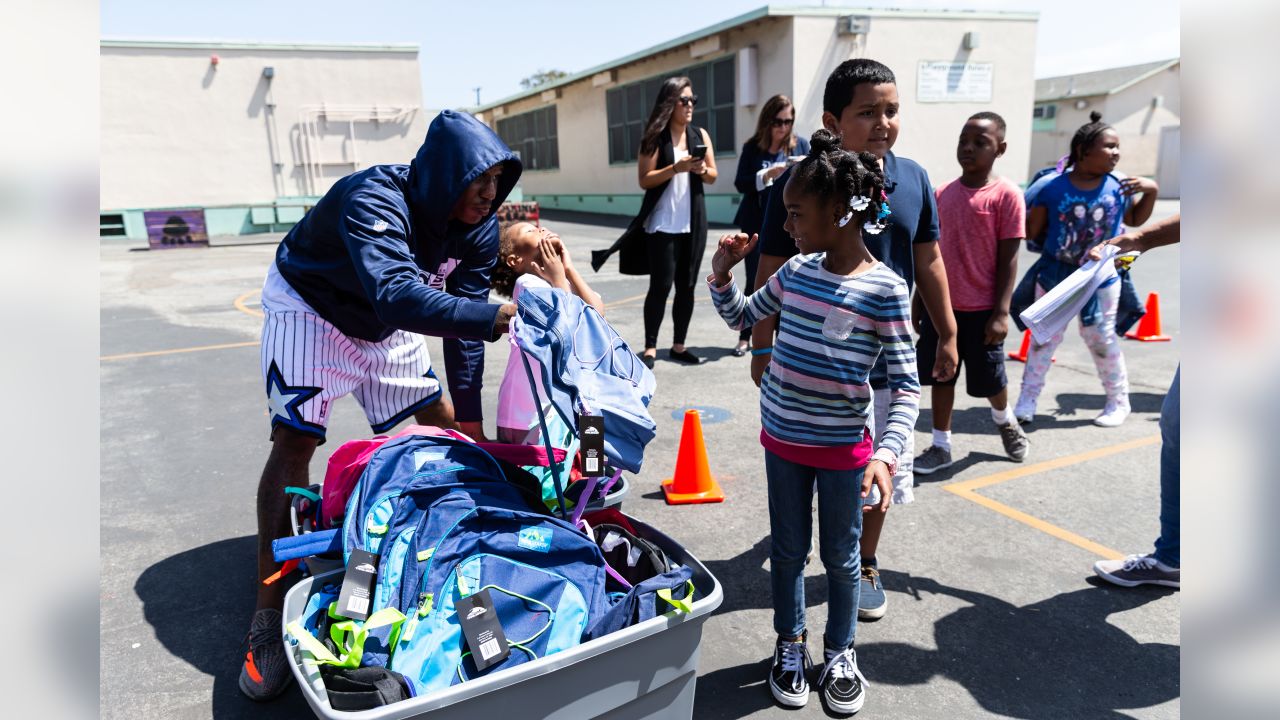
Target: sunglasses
[778,122]
[688,100]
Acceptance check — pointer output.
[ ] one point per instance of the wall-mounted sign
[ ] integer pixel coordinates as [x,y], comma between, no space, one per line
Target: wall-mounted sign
[953,82]
[175,228]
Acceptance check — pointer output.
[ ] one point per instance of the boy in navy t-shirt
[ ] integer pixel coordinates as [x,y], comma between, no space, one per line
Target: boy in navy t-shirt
[860,104]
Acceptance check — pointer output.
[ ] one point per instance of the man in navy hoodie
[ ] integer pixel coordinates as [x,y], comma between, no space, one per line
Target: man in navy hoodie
[389,254]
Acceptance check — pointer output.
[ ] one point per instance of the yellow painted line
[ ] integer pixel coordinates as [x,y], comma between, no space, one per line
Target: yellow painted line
[624,301]
[966,489]
[154,353]
[240,305]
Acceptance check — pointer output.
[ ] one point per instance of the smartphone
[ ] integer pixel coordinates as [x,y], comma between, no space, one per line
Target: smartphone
[699,151]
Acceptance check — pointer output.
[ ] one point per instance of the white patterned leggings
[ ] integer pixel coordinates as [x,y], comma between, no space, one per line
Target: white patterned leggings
[1104,346]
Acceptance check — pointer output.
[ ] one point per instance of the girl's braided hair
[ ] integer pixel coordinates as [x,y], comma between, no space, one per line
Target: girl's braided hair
[502,279]
[833,173]
[1084,137]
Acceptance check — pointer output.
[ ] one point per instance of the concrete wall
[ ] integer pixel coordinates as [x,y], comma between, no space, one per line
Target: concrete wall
[1130,111]
[176,131]
[929,129]
[587,181]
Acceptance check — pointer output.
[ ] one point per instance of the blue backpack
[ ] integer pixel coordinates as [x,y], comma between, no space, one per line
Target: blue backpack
[546,580]
[445,523]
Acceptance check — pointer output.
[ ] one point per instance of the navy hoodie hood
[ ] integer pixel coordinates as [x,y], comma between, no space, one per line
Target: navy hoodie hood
[378,252]
[458,149]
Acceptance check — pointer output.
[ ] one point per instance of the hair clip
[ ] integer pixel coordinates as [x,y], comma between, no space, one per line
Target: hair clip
[859,202]
[845,220]
[875,227]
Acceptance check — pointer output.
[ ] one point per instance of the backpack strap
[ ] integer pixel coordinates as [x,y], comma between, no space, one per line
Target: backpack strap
[296,547]
[546,435]
[349,636]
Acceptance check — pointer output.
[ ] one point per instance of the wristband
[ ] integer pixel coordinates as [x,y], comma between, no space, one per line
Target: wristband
[762,351]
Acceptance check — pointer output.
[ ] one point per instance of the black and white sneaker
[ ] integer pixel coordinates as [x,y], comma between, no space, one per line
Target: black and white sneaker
[840,683]
[788,678]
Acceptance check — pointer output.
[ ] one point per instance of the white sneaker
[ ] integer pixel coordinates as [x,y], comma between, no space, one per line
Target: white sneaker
[1024,411]
[1113,415]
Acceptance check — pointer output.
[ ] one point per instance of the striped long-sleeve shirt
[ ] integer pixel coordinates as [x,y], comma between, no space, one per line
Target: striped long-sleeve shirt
[831,328]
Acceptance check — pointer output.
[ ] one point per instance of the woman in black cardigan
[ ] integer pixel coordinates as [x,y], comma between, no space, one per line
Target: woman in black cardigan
[764,157]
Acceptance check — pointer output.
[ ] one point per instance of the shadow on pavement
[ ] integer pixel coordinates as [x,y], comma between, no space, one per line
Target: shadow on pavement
[199,602]
[1055,658]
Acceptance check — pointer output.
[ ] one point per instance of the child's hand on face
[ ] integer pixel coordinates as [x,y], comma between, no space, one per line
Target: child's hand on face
[729,252]
[548,265]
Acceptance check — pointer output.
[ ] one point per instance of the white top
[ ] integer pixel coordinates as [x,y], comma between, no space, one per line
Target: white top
[515,401]
[673,211]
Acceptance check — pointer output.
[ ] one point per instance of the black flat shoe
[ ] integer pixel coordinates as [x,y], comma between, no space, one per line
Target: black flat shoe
[684,356]
[740,350]
[647,360]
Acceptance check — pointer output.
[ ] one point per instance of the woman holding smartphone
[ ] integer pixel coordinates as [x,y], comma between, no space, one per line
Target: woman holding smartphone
[764,157]
[676,160]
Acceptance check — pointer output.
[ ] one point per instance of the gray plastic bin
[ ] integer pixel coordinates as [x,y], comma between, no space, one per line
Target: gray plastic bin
[648,670]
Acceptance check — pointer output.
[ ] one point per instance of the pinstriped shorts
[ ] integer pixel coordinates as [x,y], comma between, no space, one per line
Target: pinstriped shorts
[308,363]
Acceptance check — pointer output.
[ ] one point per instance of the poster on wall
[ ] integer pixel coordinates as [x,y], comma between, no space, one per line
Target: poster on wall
[943,81]
[175,228]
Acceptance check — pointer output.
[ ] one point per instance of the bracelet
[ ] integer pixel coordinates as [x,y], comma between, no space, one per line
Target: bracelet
[762,351]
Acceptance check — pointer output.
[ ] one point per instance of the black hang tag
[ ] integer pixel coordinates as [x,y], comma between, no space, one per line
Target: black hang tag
[591,444]
[357,585]
[482,629]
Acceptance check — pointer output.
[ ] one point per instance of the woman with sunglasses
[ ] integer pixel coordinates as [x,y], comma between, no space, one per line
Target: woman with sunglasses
[676,159]
[763,159]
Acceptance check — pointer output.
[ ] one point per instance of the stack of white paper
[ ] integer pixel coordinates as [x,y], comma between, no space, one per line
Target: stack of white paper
[1051,313]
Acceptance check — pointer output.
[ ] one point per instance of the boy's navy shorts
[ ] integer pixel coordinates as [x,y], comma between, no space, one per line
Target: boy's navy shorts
[983,364]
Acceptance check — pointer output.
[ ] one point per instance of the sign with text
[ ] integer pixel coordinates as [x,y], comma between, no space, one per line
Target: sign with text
[953,82]
[175,228]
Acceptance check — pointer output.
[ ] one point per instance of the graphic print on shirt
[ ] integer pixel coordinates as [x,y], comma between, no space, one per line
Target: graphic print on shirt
[436,280]
[1082,224]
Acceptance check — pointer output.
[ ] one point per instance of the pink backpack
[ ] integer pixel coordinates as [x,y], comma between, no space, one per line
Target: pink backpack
[348,462]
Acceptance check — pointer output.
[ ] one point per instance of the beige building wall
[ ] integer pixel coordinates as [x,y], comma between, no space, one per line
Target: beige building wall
[177,130]
[929,129]
[582,121]
[1136,118]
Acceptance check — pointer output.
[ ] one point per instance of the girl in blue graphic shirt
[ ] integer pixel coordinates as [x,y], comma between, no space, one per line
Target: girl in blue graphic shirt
[1076,211]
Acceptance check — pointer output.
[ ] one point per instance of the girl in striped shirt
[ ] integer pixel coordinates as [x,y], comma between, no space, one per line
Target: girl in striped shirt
[838,309]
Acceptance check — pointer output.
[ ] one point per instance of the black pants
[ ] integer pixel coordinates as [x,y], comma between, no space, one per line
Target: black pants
[670,263]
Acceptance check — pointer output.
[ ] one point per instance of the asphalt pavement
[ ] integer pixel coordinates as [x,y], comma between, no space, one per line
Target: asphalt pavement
[993,610]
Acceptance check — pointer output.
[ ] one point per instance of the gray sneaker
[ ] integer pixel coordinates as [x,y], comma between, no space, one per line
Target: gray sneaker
[1015,441]
[265,672]
[932,460]
[1138,570]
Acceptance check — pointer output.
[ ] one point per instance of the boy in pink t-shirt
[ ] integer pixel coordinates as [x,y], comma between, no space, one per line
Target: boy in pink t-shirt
[983,221]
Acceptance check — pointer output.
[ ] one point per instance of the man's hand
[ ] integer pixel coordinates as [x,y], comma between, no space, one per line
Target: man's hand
[473,429]
[759,363]
[944,364]
[502,322]
[729,252]
[997,328]
[1126,243]
[878,473]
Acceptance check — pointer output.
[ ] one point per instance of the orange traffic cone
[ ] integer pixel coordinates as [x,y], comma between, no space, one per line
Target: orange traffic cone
[692,482]
[1149,326]
[1021,355]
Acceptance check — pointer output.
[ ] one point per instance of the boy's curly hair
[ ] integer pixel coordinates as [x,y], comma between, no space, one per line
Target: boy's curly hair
[833,173]
[503,279]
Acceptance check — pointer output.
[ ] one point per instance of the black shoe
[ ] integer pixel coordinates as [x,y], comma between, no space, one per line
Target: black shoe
[647,360]
[787,677]
[741,349]
[841,684]
[685,357]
